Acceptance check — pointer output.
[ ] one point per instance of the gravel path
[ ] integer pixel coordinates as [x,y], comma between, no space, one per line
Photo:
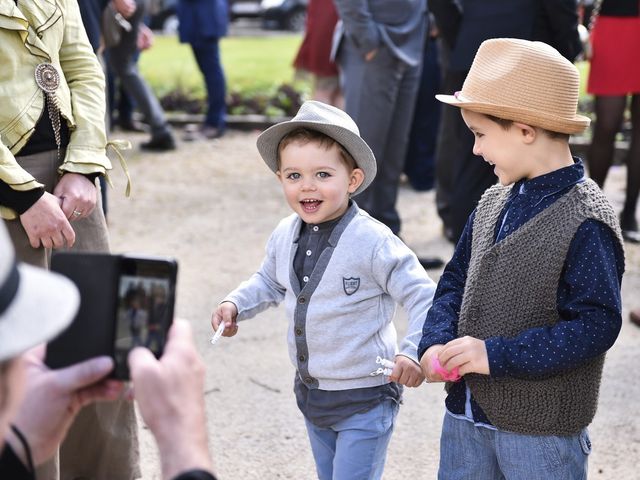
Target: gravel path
[212,205]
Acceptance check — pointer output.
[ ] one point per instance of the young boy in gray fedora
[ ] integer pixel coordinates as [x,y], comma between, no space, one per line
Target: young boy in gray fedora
[340,274]
[530,301]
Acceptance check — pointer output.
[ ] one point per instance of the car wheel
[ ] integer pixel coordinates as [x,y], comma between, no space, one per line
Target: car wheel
[296,20]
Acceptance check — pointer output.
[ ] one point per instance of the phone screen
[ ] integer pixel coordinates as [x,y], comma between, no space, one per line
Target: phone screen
[146,293]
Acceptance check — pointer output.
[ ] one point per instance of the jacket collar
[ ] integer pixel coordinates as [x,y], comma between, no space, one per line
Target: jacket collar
[29,21]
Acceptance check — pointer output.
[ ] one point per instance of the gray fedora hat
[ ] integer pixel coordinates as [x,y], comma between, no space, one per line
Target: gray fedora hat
[326,119]
[35,305]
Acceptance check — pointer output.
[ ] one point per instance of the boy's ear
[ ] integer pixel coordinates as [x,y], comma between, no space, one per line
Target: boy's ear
[355,179]
[528,132]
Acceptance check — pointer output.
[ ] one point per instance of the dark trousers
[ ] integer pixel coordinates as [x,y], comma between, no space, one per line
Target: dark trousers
[420,163]
[461,176]
[380,96]
[207,55]
[122,61]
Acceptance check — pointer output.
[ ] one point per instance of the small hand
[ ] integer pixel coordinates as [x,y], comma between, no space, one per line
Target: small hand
[145,37]
[78,195]
[467,353]
[406,372]
[226,312]
[427,364]
[449,376]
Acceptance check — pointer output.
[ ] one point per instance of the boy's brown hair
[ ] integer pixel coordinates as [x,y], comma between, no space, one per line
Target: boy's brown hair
[506,125]
[305,135]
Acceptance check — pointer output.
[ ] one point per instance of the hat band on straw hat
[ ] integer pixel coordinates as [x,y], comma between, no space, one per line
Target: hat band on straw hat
[528,116]
[9,288]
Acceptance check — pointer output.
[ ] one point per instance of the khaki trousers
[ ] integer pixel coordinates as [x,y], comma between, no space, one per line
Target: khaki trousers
[102,443]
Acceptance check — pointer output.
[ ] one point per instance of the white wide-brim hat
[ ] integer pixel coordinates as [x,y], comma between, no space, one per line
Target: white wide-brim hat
[524,81]
[326,119]
[35,305]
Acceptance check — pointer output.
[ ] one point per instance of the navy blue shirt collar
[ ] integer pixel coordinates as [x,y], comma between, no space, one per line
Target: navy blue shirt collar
[552,182]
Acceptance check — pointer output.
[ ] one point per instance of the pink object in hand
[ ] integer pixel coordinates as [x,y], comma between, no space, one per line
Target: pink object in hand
[448,376]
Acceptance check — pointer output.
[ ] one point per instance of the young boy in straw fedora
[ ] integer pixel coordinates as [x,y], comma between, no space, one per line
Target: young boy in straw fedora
[530,301]
[340,274]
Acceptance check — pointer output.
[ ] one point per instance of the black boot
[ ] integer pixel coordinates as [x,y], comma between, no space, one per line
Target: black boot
[160,143]
[629,226]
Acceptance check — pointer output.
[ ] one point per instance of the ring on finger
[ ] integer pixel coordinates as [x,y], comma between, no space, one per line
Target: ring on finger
[76,213]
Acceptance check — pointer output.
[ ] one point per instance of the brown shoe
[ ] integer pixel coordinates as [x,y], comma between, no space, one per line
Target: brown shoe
[634,316]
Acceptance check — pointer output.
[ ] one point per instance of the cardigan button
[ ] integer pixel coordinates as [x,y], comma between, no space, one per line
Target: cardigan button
[302,300]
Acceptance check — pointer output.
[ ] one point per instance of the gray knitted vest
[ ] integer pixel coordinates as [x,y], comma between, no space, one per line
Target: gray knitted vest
[511,287]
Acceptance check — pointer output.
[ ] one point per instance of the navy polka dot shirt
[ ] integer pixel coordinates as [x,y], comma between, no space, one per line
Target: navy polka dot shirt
[588,296]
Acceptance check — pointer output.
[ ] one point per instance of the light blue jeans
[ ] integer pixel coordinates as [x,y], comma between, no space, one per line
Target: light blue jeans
[354,448]
[467,452]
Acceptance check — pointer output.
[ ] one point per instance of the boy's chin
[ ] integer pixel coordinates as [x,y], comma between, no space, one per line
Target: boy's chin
[505,180]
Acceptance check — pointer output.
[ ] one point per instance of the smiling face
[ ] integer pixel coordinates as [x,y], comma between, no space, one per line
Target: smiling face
[316,180]
[505,149]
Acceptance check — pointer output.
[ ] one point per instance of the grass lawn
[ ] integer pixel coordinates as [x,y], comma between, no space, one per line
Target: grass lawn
[251,64]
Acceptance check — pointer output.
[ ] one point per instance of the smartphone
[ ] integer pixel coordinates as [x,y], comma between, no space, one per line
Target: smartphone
[145,302]
[125,301]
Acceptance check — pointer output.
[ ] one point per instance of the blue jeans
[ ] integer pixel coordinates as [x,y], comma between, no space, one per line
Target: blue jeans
[354,448]
[467,451]
[207,55]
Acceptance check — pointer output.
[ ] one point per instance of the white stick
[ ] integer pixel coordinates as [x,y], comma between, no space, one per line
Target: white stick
[216,336]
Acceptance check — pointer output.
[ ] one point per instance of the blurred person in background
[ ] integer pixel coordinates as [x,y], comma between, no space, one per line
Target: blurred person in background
[121,58]
[614,80]
[378,47]
[202,24]
[314,55]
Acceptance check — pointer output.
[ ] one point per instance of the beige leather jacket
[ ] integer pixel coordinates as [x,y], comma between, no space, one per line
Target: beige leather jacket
[49,31]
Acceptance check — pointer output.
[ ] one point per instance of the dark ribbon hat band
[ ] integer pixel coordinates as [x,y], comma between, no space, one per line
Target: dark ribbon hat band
[9,288]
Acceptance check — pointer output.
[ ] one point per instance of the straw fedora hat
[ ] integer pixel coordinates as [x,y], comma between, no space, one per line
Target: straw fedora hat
[524,81]
[329,120]
[35,305]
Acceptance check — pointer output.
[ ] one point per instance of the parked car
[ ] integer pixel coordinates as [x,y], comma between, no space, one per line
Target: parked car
[284,14]
[274,14]
[244,9]
[163,17]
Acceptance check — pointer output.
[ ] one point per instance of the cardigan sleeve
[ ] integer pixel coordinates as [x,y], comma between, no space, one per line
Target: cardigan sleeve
[399,272]
[262,290]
